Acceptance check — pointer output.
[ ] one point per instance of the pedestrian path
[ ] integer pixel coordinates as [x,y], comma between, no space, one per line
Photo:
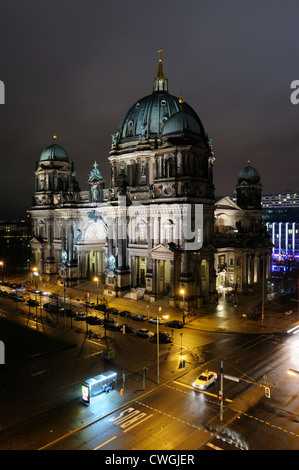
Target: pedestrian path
[223,317]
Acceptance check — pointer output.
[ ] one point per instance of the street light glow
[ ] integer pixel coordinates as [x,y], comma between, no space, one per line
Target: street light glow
[96,279]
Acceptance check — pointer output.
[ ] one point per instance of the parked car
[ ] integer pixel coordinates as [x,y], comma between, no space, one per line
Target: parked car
[19,298]
[80,317]
[101,307]
[144,333]
[53,296]
[156,320]
[139,317]
[175,324]
[94,320]
[46,293]
[32,303]
[128,328]
[112,310]
[52,308]
[36,291]
[125,313]
[89,304]
[204,380]
[163,337]
[12,295]
[69,312]
[110,323]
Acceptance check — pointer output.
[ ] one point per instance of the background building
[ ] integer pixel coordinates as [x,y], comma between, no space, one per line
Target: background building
[281,215]
[243,246]
[15,250]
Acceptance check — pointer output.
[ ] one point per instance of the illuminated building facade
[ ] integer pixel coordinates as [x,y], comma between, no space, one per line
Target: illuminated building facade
[281,215]
[133,234]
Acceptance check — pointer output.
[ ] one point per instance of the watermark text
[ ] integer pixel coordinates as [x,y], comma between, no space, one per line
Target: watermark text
[2,92]
[295,94]
[2,353]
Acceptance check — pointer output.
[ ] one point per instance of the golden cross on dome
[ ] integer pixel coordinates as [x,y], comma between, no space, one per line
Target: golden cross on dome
[160,52]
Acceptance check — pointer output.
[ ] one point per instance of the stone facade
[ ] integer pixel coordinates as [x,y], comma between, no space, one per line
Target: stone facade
[151,233]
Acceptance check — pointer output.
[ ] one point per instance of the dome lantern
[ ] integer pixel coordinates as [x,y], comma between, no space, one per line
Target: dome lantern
[160,81]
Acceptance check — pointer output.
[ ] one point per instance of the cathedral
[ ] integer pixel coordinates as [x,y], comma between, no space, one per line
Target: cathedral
[156,229]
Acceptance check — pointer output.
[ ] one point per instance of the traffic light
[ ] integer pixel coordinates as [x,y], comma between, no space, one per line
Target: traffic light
[220,395]
[267,392]
[145,370]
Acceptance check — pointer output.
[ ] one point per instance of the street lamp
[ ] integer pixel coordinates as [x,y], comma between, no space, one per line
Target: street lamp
[182,291]
[158,341]
[96,279]
[2,270]
[35,273]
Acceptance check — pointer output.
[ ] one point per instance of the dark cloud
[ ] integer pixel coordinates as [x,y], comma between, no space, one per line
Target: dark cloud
[74,67]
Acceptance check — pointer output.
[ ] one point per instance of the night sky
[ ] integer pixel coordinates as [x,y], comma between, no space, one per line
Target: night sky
[74,67]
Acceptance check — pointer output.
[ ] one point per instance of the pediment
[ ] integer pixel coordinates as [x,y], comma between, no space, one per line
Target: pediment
[37,241]
[162,252]
[226,203]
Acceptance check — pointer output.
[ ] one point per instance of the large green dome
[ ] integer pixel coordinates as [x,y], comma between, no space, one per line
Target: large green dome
[54,153]
[148,116]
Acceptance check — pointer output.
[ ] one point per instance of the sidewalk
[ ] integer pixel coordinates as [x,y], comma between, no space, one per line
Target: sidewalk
[220,318]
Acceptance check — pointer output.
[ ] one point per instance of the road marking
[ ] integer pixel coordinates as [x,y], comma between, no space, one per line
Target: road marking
[104,443]
[170,416]
[213,447]
[38,373]
[149,416]
[128,417]
[270,424]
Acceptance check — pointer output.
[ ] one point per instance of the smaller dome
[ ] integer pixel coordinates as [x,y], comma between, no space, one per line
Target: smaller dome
[249,173]
[182,123]
[54,152]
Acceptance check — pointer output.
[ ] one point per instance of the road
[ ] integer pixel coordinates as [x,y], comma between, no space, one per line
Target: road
[40,393]
[177,417]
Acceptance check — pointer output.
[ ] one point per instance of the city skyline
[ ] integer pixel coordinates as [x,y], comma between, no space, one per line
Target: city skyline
[75,69]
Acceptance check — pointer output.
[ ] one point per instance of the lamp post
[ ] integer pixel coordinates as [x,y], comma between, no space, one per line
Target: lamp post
[263,288]
[158,341]
[182,291]
[2,270]
[158,370]
[96,279]
[35,273]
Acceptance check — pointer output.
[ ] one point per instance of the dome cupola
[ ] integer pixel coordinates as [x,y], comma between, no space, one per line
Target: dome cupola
[249,188]
[54,152]
[182,123]
[146,119]
[249,173]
